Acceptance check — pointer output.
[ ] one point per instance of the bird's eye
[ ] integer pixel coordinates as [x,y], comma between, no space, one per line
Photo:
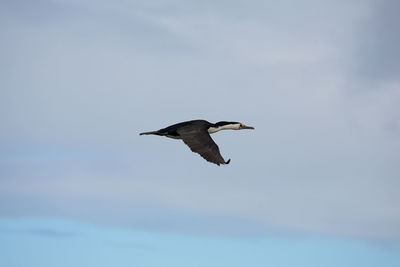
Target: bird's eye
[241,125]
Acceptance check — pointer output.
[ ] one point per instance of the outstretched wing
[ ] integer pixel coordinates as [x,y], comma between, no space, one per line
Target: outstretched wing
[201,142]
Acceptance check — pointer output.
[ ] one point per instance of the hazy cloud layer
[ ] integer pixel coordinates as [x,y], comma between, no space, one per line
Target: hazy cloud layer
[81,79]
[378,46]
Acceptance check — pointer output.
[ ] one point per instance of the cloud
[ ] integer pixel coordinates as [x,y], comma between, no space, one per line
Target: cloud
[51,233]
[79,88]
[377,49]
[373,81]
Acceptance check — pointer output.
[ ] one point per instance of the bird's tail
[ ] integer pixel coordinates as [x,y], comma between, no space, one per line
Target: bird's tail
[153,132]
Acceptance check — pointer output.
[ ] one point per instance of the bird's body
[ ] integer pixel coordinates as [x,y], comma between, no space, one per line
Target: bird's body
[196,135]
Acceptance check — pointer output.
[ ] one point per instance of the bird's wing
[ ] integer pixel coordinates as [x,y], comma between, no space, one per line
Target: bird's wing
[202,143]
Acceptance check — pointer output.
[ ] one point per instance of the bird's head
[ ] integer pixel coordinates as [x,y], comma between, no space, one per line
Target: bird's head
[228,125]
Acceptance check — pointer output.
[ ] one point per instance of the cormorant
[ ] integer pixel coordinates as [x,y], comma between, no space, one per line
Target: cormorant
[196,135]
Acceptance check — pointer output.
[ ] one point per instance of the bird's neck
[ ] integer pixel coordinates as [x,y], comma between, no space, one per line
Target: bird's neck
[214,129]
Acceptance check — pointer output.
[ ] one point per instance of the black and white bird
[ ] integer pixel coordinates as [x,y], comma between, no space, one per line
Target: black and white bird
[196,135]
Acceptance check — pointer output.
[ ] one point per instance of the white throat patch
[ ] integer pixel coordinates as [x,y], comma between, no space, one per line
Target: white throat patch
[224,127]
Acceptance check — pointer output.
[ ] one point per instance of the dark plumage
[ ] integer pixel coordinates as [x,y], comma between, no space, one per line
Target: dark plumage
[196,135]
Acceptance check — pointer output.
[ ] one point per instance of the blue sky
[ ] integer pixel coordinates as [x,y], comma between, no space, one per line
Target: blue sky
[319,80]
[50,242]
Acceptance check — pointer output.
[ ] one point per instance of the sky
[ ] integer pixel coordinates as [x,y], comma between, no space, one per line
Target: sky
[319,81]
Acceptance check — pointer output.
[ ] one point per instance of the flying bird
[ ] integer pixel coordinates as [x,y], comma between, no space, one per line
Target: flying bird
[196,135]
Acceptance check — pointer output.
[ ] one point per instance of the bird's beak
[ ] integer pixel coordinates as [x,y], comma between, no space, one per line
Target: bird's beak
[247,127]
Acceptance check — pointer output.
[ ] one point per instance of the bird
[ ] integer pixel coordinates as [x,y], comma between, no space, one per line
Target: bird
[196,135]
